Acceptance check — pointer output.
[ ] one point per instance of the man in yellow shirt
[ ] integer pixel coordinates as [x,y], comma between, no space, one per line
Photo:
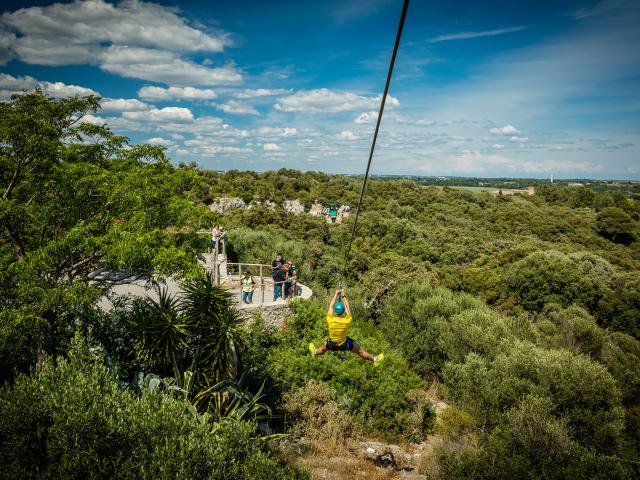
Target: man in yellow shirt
[338,322]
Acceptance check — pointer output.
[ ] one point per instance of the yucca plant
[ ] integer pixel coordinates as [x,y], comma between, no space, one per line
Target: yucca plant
[160,333]
[215,327]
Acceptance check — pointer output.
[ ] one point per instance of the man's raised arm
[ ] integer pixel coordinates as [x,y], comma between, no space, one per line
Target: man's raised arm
[333,302]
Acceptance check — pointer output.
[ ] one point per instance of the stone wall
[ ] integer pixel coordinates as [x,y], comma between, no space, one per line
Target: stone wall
[272,314]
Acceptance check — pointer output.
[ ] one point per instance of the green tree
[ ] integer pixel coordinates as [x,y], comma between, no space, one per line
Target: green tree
[616,225]
[75,198]
[619,309]
[544,277]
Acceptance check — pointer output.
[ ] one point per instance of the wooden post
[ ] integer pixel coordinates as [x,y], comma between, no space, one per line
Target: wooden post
[240,273]
[216,275]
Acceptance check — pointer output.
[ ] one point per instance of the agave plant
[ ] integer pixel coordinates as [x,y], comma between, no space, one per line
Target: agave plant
[215,327]
[159,331]
[228,400]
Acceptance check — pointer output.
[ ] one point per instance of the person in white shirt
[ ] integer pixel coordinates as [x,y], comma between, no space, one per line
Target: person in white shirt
[216,237]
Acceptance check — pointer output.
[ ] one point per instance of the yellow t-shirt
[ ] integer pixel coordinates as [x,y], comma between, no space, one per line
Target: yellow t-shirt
[338,327]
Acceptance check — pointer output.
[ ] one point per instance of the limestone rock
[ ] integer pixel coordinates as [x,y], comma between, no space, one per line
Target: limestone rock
[316,209]
[438,406]
[225,204]
[293,206]
[389,456]
[267,203]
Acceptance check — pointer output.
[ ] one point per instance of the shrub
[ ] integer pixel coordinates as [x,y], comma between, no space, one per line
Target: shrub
[74,422]
[553,277]
[18,333]
[575,329]
[582,391]
[579,329]
[414,317]
[378,399]
[616,225]
[454,423]
[431,325]
[619,308]
[530,443]
[315,414]
[621,354]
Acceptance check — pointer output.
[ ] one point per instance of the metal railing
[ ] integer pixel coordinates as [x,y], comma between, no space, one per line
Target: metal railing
[262,280]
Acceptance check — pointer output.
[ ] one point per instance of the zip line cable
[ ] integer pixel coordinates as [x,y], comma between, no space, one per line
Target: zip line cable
[375,135]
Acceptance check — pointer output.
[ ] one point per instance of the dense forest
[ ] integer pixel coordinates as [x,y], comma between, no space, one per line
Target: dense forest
[520,313]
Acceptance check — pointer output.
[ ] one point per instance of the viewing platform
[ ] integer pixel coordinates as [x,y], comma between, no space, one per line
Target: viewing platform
[226,274]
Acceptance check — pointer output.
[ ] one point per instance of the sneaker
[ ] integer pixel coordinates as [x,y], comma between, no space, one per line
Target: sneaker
[312,349]
[379,358]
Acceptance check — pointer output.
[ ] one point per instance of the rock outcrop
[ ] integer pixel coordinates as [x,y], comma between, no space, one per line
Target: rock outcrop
[293,206]
[225,204]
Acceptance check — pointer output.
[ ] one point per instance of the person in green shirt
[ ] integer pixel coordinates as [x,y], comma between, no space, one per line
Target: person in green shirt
[338,321]
[248,285]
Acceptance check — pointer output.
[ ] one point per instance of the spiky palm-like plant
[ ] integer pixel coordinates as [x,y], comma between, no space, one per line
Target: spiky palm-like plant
[215,327]
[159,331]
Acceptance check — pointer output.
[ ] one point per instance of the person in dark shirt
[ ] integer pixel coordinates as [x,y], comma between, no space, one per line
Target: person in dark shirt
[279,278]
[276,265]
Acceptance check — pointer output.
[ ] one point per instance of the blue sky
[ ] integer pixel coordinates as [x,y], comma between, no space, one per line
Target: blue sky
[518,89]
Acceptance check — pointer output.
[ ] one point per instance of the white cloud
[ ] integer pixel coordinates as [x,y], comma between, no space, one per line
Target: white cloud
[10,84]
[160,141]
[175,114]
[224,149]
[123,105]
[7,40]
[163,67]
[182,151]
[473,162]
[367,117]
[94,120]
[516,139]
[261,92]
[573,166]
[347,135]
[238,108]
[403,120]
[59,89]
[484,33]
[270,147]
[497,146]
[176,93]
[506,130]
[277,131]
[205,127]
[87,24]
[131,38]
[598,9]
[325,101]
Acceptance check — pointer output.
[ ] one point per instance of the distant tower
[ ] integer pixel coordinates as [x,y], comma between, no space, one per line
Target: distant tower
[551,177]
